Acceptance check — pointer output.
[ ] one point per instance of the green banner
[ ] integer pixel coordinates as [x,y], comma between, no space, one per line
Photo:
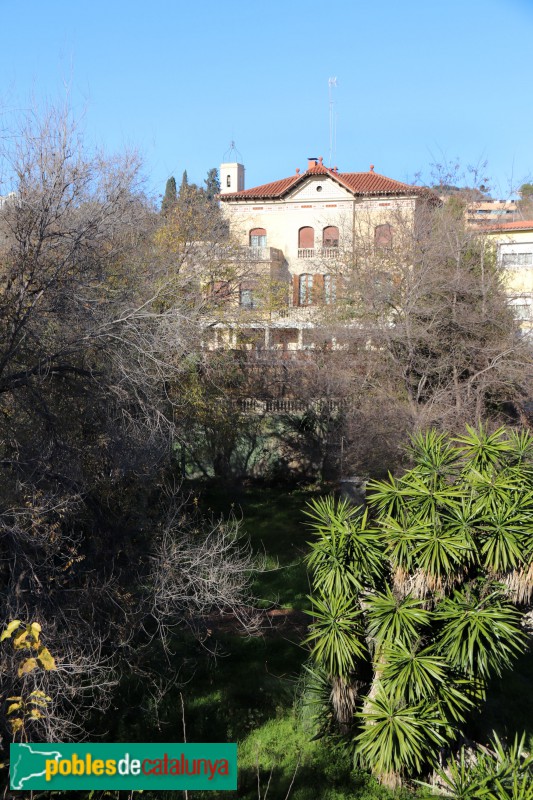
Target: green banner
[123,766]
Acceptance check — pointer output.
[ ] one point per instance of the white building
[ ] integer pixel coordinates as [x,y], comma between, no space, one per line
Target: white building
[302,231]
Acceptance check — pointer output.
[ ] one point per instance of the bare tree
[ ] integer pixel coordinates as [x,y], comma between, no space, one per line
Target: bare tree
[98,323]
[422,334]
[202,569]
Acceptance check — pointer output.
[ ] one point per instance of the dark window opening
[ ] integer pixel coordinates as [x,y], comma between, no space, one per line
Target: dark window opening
[383,237]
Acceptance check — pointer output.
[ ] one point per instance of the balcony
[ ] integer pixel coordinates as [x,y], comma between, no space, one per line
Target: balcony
[261,253]
[318,252]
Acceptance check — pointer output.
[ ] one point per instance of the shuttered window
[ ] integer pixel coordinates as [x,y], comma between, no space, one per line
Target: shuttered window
[306,238]
[330,236]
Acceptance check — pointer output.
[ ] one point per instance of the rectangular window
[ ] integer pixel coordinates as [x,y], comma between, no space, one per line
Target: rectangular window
[522,307]
[306,290]
[515,260]
[247,299]
[330,289]
[258,241]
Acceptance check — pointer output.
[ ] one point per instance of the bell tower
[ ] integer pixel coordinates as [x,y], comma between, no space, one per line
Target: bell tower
[231,172]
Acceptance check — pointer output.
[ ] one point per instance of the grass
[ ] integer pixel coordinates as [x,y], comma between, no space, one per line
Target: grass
[274,521]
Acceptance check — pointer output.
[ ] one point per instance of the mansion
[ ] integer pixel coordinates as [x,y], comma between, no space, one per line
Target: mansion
[297,232]
[302,236]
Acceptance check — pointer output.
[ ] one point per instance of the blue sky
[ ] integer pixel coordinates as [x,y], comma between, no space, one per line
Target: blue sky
[419,82]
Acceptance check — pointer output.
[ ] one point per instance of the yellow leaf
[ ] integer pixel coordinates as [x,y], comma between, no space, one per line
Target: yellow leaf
[46,659]
[13,707]
[27,666]
[35,714]
[37,693]
[35,627]
[16,724]
[13,625]
[20,640]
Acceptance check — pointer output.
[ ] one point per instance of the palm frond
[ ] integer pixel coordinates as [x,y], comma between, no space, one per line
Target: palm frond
[479,636]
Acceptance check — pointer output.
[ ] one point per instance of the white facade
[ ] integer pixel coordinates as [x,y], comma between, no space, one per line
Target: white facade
[315,221]
[231,178]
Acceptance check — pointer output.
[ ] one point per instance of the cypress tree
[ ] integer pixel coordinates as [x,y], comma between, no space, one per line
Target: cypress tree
[212,184]
[170,197]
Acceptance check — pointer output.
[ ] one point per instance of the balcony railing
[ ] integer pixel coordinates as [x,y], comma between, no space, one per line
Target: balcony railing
[318,252]
[262,253]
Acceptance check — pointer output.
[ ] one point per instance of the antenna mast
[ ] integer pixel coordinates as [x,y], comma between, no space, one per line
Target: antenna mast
[332,83]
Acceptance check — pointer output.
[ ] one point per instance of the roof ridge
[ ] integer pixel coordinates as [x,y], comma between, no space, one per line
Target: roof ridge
[358,183]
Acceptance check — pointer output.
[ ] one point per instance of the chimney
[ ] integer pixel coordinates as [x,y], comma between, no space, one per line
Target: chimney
[311,162]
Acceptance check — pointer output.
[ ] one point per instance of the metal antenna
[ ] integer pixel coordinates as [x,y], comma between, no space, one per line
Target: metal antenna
[332,83]
[232,154]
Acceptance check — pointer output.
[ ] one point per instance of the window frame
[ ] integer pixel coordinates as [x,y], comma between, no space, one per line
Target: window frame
[305,289]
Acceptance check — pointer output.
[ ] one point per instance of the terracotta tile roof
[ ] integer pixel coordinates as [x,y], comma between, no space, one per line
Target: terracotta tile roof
[358,183]
[372,183]
[267,190]
[518,225]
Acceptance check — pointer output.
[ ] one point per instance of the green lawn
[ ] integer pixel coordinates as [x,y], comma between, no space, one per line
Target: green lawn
[274,521]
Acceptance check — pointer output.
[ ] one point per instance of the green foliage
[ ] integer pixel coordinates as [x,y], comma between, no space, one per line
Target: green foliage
[170,197]
[526,191]
[393,620]
[346,551]
[396,737]
[433,599]
[336,635]
[496,772]
[480,636]
[212,184]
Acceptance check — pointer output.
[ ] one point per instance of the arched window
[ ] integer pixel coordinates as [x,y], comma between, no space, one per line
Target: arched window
[305,290]
[383,237]
[306,238]
[258,237]
[330,236]
[330,289]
